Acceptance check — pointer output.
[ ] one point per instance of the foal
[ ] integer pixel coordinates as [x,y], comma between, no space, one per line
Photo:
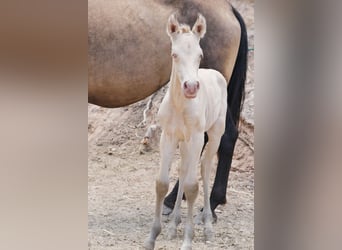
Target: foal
[195,103]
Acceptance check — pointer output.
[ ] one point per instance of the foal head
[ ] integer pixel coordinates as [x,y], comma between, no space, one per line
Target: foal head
[186,53]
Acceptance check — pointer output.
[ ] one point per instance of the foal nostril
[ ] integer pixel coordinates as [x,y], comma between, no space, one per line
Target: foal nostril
[197,85]
[185,85]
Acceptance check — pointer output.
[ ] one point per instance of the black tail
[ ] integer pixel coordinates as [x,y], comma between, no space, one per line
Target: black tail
[236,87]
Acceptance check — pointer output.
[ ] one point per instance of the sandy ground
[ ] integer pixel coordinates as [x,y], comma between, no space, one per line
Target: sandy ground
[121,177]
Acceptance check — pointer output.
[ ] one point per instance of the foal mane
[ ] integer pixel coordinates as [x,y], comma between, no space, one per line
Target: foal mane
[184,28]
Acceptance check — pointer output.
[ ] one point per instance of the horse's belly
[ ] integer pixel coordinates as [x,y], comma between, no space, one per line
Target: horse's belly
[123,67]
[118,92]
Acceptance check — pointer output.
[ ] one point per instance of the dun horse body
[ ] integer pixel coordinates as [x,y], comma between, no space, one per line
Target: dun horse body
[195,103]
[124,35]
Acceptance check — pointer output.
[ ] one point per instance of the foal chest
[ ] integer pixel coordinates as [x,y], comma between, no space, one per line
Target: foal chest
[181,125]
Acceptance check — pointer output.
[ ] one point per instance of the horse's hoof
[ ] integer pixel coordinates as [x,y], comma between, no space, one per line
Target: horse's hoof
[214,217]
[149,244]
[167,210]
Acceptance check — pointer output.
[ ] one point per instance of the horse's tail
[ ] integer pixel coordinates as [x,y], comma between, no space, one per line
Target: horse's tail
[236,86]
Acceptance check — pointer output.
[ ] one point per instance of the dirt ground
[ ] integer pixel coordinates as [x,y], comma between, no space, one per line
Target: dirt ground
[121,177]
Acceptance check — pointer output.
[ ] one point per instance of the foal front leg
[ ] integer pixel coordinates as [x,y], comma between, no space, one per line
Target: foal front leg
[214,134]
[188,160]
[168,145]
[190,152]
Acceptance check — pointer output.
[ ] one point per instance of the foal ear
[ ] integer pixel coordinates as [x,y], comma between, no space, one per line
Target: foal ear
[200,27]
[172,25]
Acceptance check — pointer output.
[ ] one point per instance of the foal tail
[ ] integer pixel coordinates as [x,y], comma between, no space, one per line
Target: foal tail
[236,86]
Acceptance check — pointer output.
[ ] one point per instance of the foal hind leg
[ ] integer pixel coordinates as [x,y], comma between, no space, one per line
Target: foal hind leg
[168,146]
[214,134]
[176,215]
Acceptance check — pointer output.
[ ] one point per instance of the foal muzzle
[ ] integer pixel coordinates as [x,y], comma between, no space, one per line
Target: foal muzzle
[190,88]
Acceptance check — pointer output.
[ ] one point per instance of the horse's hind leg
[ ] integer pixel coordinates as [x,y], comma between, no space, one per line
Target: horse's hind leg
[225,155]
[168,146]
[169,202]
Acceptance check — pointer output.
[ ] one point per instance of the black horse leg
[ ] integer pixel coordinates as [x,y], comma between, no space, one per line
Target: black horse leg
[225,155]
[171,198]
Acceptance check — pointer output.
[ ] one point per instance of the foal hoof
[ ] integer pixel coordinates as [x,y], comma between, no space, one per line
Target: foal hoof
[186,247]
[166,210]
[199,219]
[172,233]
[149,244]
[208,233]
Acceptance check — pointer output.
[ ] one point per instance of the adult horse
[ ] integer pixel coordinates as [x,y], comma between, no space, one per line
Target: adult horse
[128,60]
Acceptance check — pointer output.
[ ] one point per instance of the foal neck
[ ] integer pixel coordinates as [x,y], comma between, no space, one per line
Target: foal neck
[177,98]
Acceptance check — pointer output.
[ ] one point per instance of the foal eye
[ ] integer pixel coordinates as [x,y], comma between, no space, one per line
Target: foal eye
[174,55]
